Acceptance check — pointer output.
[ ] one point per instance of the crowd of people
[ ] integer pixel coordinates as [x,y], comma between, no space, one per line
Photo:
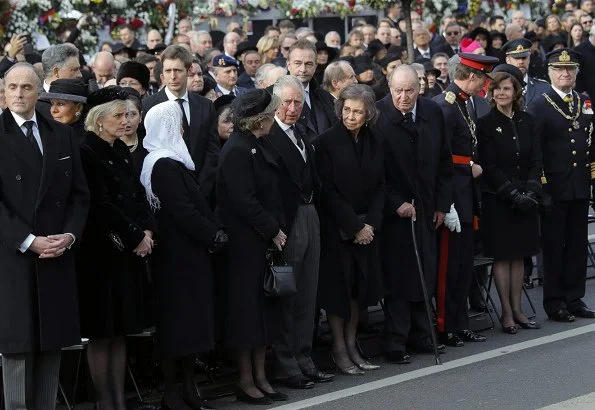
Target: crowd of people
[151,185]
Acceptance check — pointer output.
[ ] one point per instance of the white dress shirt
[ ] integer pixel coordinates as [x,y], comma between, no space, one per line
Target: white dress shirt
[307,95]
[186,103]
[413,112]
[561,93]
[289,131]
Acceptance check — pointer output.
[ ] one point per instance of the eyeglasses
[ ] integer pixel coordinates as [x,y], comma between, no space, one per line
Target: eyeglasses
[285,48]
[452,33]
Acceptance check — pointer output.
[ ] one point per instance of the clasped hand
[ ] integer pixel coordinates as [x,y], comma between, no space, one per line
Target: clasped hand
[51,246]
[365,235]
[280,240]
[145,247]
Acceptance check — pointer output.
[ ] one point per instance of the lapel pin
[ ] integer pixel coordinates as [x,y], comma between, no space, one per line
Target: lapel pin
[254,150]
[499,130]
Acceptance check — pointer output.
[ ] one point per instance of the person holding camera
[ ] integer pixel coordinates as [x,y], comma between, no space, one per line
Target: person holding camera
[511,159]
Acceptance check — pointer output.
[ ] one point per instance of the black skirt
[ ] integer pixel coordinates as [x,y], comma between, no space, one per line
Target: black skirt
[508,233]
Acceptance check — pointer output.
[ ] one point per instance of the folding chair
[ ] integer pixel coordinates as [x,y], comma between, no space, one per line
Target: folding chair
[80,348]
[480,262]
[150,333]
[532,316]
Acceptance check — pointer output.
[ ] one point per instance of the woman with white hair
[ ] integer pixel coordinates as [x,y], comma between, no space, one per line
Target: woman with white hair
[188,233]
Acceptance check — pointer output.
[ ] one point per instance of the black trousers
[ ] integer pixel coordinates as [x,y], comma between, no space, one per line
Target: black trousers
[404,322]
[453,286]
[564,237]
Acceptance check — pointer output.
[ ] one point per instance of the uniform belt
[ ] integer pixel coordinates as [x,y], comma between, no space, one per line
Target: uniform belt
[461,160]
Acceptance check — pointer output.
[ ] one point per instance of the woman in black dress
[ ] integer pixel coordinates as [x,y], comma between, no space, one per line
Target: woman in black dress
[118,235]
[249,205]
[350,163]
[188,232]
[510,156]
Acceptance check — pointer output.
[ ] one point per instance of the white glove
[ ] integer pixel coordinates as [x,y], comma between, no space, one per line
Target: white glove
[451,220]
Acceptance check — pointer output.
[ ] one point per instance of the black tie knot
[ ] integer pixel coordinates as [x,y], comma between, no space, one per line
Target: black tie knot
[29,125]
[408,117]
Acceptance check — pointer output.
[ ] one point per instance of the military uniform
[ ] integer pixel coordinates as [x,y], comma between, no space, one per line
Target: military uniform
[455,267]
[565,126]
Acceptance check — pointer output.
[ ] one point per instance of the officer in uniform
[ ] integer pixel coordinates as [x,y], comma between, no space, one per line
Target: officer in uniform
[518,54]
[564,124]
[455,269]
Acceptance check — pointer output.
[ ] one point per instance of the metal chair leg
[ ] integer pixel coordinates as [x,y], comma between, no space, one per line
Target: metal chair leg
[140,397]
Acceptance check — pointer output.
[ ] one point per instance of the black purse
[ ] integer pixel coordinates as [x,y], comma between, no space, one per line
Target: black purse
[279,280]
[116,241]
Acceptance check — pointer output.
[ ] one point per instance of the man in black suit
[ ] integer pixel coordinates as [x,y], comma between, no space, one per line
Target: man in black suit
[318,113]
[200,119]
[586,80]
[44,202]
[251,63]
[300,191]
[418,169]
[564,125]
[452,34]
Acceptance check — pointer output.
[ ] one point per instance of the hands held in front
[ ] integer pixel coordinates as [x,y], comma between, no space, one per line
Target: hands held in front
[280,240]
[219,242]
[407,210]
[365,235]
[523,202]
[51,246]
[145,247]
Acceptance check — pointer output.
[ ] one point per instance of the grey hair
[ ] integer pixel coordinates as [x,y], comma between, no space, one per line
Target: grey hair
[334,71]
[103,110]
[287,81]
[28,66]
[261,73]
[403,68]
[255,121]
[453,62]
[358,92]
[56,56]
[418,67]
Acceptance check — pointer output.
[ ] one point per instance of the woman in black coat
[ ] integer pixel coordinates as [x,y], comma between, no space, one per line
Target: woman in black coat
[510,156]
[182,270]
[249,205]
[68,97]
[118,235]
[350,163]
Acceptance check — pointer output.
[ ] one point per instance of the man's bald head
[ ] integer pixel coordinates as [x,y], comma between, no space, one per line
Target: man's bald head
[22,85]
[104,67]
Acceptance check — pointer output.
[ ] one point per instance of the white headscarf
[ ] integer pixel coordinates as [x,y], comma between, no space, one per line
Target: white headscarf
[164,139]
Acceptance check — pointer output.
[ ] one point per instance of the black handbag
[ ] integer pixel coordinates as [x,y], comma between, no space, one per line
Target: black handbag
[116,241]
[343,234]
[279,280]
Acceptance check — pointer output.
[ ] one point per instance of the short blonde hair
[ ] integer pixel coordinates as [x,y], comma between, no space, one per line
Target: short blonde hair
[103,110]
[267,43]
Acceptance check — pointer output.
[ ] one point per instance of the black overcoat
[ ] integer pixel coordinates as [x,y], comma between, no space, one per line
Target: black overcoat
[249,206]
[110,281]
[351,186]
[38,297]
[418,167]
[182,268]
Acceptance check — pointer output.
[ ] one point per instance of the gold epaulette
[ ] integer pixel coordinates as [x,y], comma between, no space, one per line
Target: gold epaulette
[544,179]
[450,97]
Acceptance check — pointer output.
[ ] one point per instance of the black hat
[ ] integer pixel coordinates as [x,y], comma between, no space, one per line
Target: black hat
[70,89]
[251,103]
[429,68]
[223,101]
[389,58]
[479,31]
[394,49]
[119,48]
[331,51]
[245,46]
[531,36]
[478,61]
[564,57]
[223,60]
[105,95]
[551,41]
[210,84]
[157,49]
[362,64]
[374,47]
[136,70]
[512,70]
[519,48]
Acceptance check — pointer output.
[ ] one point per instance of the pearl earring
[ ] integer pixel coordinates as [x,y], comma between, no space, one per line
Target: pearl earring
[77,114]
[100,128]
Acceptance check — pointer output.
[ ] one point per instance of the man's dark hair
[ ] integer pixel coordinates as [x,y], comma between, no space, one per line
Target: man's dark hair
[175,52]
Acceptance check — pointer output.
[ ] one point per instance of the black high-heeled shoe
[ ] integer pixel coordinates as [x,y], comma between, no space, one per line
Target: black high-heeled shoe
[275,396]
[531,324]
[244,397]
[511,330]
[349,371]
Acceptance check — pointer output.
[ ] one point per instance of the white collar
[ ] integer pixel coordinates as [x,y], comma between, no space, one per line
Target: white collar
[172,97]
[526,79]
[413,111]
[307,88]
[224,90]
[46,86]
[561,93]
[20,120]
[283,126]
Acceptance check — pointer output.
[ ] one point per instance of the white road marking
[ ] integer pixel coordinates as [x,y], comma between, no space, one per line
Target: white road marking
[430,370]
[585,402]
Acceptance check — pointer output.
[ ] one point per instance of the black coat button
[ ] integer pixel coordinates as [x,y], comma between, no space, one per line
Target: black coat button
[58,204]
[66,173]
[18,177]
[120,197]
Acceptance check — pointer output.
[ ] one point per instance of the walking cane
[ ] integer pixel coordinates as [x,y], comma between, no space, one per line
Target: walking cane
[425,291]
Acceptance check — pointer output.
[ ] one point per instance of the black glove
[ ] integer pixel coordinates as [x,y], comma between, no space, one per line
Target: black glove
[219,242]
[522,202]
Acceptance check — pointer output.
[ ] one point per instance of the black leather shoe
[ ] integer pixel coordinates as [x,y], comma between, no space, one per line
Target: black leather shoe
[450,339]
[584,312]
[561,315]
[297,382]
[319,377]
[244,397]
[426,346]
[397,357]
[531,324]
[275,396]
[470,336]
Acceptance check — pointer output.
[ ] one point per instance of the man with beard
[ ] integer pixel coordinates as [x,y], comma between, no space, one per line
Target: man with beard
[419,187]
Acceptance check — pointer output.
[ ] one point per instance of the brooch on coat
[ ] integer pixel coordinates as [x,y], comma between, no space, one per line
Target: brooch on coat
[499,130]
[253,151]
[450,97]
[587,109]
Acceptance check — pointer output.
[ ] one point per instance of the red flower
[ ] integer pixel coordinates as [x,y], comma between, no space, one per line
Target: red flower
[294,11]
[136,23]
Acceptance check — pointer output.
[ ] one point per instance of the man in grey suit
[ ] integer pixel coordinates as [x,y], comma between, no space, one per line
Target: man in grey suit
[300,190]
[44,202]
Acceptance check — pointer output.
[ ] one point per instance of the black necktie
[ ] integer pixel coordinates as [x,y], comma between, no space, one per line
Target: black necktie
[31,138]
[298,138]
[409,118]
[185,123]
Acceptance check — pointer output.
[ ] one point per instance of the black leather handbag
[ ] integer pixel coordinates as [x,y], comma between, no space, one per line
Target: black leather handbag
[279,280]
